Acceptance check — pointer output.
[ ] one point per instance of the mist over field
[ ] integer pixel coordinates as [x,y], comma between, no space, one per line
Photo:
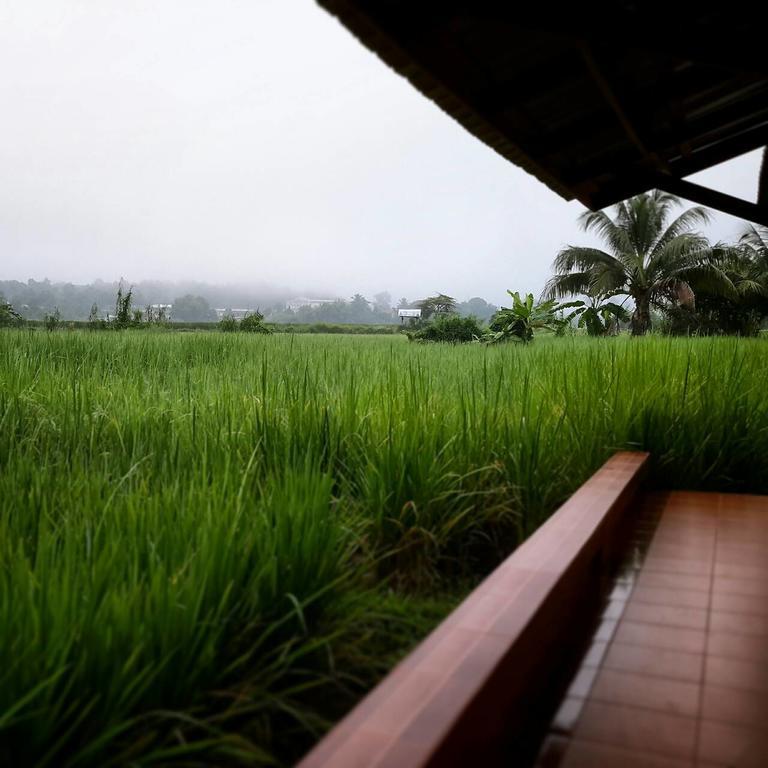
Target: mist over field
[255,142]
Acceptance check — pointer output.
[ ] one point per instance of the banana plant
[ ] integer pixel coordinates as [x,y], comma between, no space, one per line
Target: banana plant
[599,318]
[524,317]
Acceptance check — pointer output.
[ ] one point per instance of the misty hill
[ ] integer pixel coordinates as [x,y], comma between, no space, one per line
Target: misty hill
[33,299]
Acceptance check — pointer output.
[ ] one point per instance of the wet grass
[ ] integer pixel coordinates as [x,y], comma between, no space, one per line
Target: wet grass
[211,545]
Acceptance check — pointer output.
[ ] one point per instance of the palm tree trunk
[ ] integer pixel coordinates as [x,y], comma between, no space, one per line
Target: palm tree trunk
[641,317]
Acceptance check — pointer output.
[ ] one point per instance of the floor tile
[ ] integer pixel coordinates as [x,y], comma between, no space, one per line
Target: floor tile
[585,754]
[739,604]
[741,623]
[728,705]
[731,585]
[658,636]
[669,615]
[732,745]
[658,662]
[637,729]
[749,675]
[687,598]
[733,646]
[658,693]
[674,581]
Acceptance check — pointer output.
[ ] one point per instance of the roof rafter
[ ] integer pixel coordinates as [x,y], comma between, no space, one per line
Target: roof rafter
[697,193]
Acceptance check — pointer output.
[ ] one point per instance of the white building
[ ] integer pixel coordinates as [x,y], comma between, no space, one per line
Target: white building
[238,314]
[302,301]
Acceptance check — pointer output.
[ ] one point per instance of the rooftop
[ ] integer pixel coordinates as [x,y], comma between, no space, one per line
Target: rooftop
[600,102]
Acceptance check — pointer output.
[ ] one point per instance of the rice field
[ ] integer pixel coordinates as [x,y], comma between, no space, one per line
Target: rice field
[211,545]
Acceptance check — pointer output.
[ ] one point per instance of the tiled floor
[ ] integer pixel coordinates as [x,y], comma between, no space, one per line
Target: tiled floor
[677,675]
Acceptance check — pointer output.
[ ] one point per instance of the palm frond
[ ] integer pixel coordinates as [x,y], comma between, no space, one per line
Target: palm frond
[608,283]
[685,223]
[575,257]
[707,278]
[647,214]
[747,286]
[573,284]
[684,250]
[755,237]
[611,232]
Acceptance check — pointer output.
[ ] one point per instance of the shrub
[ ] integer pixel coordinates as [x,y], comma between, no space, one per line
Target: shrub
[228,324]
[8,315]
[95,323]
[254,323]
[449,328]
[52,321]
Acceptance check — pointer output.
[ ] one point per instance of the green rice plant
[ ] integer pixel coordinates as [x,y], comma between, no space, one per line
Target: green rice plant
[212,544]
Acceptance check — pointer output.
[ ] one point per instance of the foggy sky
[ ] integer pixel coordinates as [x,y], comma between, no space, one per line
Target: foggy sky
[250,141]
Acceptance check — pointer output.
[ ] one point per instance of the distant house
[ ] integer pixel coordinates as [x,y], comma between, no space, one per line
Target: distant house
[413,314]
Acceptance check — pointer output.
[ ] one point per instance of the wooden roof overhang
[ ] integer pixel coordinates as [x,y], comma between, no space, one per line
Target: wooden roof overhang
[599,101]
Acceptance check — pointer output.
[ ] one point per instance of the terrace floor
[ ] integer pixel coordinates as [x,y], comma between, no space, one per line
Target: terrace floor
[676,673]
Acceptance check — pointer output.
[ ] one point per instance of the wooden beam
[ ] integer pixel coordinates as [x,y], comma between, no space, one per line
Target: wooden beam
[734,206]
[762,182]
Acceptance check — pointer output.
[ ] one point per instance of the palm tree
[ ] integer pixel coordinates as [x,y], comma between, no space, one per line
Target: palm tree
[754,242]
[649,258]
[743,310]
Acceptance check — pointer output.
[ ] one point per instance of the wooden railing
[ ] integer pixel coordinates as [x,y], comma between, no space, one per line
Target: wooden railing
[473,692]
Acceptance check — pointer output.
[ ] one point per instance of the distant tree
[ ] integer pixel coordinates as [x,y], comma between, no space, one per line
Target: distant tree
[192,309]
[356,311]
[403,303]
[156,315]
[477,307]
[359,310]
[382,302]
[8,315]
[123,307]
[437,305]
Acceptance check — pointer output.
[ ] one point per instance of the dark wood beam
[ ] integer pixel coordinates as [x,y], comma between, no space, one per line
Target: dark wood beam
[735,206]
[762,182]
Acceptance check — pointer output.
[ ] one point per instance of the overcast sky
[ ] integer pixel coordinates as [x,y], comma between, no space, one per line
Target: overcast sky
[249,141]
